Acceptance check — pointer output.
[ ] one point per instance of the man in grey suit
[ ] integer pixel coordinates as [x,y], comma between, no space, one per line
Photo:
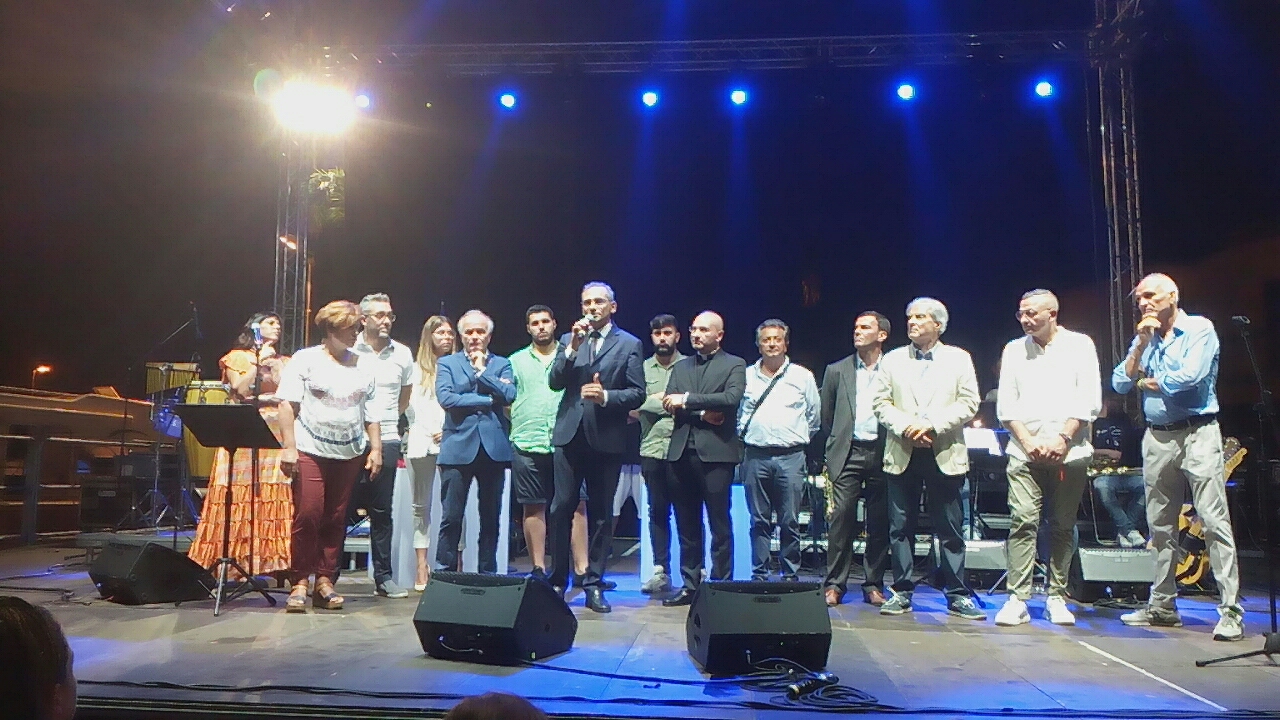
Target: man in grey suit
[923,395]
[855,462]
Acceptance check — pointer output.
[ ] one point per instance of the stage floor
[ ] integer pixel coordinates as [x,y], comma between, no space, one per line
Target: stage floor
[926,660]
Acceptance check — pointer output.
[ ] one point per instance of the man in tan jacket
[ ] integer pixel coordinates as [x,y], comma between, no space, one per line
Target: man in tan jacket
[924,394]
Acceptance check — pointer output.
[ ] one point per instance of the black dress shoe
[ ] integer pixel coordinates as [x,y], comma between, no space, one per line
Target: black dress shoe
[684,597]
[596,601]
[538,574]
[578,580]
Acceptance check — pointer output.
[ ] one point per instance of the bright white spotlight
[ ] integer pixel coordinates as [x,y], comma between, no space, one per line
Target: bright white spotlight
[738,97]
[309,108]
[649,98]
[362,101]
[906,92]
[1044,89]
[508,100]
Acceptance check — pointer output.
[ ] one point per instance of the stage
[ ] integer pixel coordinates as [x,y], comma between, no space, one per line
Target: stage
[136,661]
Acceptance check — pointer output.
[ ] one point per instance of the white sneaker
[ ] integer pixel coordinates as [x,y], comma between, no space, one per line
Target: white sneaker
[1055,609]
[1136,540]
[1013,613]
[1123,541]
[659,582]
[1230,625]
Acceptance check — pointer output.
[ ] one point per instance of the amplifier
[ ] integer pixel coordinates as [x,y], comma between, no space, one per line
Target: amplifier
[1115,572]
[985,555]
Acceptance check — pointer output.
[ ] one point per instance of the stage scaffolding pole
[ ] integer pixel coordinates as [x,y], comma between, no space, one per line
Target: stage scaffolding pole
[292,266]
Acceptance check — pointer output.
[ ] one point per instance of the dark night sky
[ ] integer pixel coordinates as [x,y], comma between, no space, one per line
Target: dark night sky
[141,172]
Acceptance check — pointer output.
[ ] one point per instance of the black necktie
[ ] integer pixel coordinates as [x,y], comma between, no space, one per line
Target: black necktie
[592,339]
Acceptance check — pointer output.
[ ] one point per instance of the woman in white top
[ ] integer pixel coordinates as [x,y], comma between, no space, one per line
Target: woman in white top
[326,427]
[426,424]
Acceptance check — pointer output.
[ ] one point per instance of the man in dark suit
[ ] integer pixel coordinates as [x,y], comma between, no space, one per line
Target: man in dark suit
[703,395]
[600,370]
[472,386]
[855,462]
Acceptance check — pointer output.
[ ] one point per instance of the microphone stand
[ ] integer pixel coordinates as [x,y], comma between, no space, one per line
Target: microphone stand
[1267,444]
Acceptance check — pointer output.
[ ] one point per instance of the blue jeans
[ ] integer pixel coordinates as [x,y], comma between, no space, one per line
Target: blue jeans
[1127,513]
[774,481]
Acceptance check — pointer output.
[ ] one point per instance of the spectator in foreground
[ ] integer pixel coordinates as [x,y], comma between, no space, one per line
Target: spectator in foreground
[495,706]
[36,678]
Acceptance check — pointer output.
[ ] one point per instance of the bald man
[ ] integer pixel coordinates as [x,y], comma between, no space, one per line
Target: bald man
[1173,362]
[703,395]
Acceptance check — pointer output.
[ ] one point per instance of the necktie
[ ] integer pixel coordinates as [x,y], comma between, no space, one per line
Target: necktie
[593,340]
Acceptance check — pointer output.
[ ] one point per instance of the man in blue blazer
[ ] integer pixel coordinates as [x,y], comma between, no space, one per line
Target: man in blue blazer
[472,386]
[600,369]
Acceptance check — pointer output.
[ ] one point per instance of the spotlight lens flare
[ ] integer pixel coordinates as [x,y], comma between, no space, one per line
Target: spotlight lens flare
[906,92]
[309,108]
[1044,89]
[650,98]
[738,97]
[507,100]
[363,102]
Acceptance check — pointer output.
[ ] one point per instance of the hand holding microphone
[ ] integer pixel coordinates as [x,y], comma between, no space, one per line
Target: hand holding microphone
[581,330]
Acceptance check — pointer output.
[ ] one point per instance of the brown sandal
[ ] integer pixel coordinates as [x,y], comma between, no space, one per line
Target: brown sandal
[297,602]
[325,597]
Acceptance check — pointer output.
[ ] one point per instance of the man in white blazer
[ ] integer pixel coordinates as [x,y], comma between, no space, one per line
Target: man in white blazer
[924,394]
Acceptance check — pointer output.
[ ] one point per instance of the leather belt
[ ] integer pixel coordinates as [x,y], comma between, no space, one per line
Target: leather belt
[1194,421]
[775,450]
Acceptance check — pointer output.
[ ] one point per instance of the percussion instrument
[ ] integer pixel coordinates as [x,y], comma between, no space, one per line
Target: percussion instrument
[202,392]
[162,376]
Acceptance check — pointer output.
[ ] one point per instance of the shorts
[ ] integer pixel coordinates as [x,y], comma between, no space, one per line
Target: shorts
[533,476]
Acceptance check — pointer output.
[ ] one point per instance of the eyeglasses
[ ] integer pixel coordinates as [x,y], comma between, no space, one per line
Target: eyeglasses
[1028,313]
[382,316]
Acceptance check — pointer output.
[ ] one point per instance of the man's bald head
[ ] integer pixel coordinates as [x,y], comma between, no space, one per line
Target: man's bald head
[1157,296]
[707,332]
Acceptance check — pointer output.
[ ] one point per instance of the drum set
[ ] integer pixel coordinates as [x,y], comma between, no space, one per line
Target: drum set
[167,385]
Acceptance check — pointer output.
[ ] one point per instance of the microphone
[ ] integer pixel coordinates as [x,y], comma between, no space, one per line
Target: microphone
[578,327]
[195,320]
[1241,320]
[257,334]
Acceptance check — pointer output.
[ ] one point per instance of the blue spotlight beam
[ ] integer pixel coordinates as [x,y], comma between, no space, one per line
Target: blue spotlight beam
[507,100]
[738,96]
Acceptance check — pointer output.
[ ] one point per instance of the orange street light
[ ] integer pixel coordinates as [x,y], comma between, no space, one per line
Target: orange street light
[39,370]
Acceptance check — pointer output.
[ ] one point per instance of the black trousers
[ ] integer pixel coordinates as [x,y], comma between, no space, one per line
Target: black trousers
[659,482]
[945,512]
[702,484]
[578,463]
[862,476]
[455,483]
[376,495]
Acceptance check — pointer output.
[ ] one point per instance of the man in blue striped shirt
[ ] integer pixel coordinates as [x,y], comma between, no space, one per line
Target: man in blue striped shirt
[1173,361]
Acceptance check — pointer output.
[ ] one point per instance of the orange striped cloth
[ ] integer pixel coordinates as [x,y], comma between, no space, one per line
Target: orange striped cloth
[264,522]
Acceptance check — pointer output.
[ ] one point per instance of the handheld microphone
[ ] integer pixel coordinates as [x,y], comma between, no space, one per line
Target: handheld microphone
[578,327]
[257,334]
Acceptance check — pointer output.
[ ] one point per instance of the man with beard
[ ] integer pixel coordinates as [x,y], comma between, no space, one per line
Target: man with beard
[655,440]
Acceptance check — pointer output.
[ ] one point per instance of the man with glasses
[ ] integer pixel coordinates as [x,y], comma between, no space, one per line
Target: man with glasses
[392,365]
[1050,391]
[1173,361]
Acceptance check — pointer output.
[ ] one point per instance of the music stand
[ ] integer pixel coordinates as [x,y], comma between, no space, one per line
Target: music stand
[230,427]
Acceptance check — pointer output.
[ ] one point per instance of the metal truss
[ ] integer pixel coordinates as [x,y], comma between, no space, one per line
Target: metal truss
[292,270]
[1114,42]
[723,55]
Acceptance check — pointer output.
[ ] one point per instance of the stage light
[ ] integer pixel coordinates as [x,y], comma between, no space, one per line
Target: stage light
[39,370]
[309,108]
[507,100]
[906,92]
[1044,89]
[363,102]
[649,98]
[738,97]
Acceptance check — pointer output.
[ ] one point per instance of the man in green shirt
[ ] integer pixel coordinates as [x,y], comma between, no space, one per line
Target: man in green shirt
[655,428]
[533,416]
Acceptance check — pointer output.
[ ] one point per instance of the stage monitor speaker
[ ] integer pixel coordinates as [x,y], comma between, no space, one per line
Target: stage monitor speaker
[1126,571]
[149,573]
[733,625]
[492,619]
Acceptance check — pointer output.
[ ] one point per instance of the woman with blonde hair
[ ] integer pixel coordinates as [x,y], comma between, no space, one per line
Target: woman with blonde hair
[426,424]
[329,430]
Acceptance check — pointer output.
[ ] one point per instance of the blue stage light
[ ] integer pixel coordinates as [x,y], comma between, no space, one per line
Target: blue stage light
[1044,89]
[508,100]
[649,98]
[906,92]
[738,97]
[362,101]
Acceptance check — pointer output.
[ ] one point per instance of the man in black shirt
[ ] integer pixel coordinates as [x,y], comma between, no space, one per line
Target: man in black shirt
[1117,443]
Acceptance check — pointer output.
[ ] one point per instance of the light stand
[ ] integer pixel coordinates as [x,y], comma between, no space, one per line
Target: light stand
[1267,438]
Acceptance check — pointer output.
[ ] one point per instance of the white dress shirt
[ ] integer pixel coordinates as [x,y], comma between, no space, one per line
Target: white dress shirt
[790,416]
[1043,387]
[393,369]
[866,428]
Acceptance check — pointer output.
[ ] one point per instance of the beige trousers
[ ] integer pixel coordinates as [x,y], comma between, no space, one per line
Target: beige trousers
[1057,490]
